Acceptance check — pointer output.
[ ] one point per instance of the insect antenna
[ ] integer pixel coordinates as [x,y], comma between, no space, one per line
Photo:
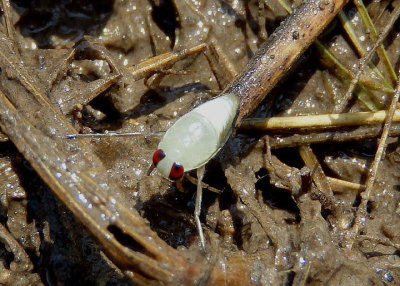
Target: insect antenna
[114,134]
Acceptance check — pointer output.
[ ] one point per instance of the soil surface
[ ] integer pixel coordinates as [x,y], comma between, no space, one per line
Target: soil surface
[273,222]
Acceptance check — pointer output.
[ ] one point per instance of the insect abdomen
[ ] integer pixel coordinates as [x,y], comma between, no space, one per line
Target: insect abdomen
[198,135]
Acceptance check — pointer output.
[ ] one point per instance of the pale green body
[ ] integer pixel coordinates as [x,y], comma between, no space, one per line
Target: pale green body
[199,134]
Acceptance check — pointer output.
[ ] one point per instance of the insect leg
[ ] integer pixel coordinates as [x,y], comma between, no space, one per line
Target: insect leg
[197,208]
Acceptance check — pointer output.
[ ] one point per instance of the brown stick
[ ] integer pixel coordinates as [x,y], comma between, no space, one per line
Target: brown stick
[280,51]
[25,112]
[74,173]
[330,136]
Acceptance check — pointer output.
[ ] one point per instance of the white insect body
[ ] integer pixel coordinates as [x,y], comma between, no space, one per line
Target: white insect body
[196,137]
[192,141]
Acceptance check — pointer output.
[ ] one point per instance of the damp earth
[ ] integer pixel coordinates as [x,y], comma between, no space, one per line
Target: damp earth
[267,219]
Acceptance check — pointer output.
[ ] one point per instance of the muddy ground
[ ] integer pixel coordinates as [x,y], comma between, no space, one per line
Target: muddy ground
[265,195]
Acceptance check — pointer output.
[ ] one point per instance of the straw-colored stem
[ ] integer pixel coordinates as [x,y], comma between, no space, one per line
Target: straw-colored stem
[315,121]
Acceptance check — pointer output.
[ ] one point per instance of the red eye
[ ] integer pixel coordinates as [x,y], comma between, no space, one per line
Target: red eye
[158,156]
[176,171]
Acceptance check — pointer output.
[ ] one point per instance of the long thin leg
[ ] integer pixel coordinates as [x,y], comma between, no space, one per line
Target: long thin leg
[197,208]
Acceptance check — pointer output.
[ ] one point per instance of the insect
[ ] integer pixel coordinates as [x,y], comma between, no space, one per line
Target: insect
[194,139]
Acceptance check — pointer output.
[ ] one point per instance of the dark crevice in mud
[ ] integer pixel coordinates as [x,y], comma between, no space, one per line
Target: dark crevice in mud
[289,156]
[6,257]
[275,197]
[65,19]
[175,211]
[164,14]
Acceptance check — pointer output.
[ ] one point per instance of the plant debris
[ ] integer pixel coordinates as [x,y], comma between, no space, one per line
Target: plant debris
[280,207]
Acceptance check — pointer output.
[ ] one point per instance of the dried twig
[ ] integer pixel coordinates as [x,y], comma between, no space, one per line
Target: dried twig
[162,62]
[361,214]
[204,185]
[280,51]
[283,141]
[8,21]
[325,195]
[317,121]
[78,178]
